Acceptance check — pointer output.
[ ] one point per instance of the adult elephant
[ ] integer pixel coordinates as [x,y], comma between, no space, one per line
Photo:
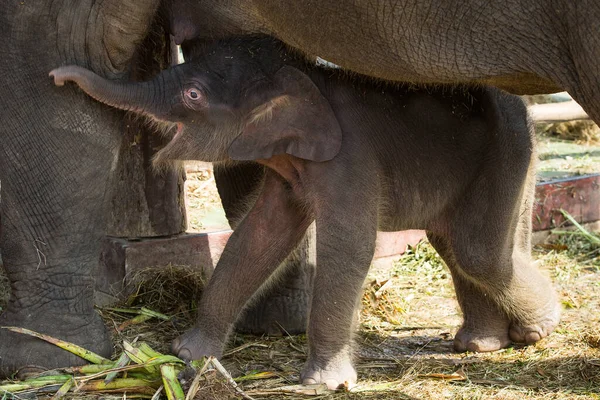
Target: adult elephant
[525,47]
[54,167]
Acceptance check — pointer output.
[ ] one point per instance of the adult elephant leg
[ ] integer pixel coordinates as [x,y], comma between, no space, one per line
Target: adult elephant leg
[51,228]
[485,325]
[283,308]
[56,152]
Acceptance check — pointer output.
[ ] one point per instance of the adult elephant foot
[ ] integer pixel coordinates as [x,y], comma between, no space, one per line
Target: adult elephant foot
[531,332]
[20,353]
[336,373]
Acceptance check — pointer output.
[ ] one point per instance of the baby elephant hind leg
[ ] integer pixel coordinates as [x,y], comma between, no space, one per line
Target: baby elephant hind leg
[485,325]
[491,247]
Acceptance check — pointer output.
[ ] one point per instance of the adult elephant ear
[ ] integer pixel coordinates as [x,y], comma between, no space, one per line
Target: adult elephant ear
[295,120]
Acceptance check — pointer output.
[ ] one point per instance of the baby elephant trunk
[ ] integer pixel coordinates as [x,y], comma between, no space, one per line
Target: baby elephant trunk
[136,97]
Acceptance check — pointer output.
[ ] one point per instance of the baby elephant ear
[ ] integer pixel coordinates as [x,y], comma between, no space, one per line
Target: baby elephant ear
[296,120]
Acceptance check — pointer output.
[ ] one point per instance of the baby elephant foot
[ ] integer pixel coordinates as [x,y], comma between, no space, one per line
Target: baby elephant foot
[335,375]
[193,345]
[530,333]
[468,339]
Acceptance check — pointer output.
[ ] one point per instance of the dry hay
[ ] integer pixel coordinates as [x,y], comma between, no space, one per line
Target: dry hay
[404,336]
[172,291]
[404,339]
[582,131]
[579,131]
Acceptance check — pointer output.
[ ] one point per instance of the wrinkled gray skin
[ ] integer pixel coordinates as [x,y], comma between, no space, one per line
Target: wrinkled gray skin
[54,166]
[525,47]
[458,163]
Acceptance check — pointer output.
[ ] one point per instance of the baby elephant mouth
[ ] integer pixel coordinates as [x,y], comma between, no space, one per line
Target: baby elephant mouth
[178,131]
[171,132]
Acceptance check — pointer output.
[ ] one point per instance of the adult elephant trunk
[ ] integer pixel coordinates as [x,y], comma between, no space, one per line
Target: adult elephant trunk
[138,97]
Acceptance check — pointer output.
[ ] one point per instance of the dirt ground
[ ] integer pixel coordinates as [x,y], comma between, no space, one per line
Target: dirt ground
[404,331]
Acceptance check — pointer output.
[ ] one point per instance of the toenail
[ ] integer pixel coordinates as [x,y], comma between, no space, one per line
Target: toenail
[185,354]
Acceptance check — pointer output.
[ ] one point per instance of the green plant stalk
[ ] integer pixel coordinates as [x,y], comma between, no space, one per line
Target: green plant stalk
[166,359]
[137,372]
[139,357]
[256,376]
[139,319]
[154,314]
[70,347]
[35,383]
[150,357]
[121,384]
[89,369]
[121,362]
[554,232]
[172,387]
[583,231]
[64,389]
[149,351]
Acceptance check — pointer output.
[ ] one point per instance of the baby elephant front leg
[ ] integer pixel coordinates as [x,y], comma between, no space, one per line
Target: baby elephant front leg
[345,246]
[270,231]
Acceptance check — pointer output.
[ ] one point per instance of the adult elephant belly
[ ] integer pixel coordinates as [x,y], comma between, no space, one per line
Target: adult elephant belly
[56,152]
[522,47]
[525,47]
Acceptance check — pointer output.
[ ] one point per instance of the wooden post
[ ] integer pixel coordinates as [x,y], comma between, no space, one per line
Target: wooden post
[557,112]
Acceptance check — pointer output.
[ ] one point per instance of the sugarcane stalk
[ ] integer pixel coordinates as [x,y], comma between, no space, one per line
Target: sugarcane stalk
[139,357]
[256,376]
[70,347]
[122,361]
[64,389]
[35,383]
[172,387]
[88,369]
[120,384]
[133,321]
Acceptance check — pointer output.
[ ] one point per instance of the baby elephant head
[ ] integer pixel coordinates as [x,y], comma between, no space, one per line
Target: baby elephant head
[225,107]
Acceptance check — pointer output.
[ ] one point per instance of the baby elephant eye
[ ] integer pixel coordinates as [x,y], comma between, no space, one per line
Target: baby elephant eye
[194,98]
[193,93]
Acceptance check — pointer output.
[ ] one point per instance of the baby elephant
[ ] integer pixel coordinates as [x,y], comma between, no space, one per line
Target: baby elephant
[356,156]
